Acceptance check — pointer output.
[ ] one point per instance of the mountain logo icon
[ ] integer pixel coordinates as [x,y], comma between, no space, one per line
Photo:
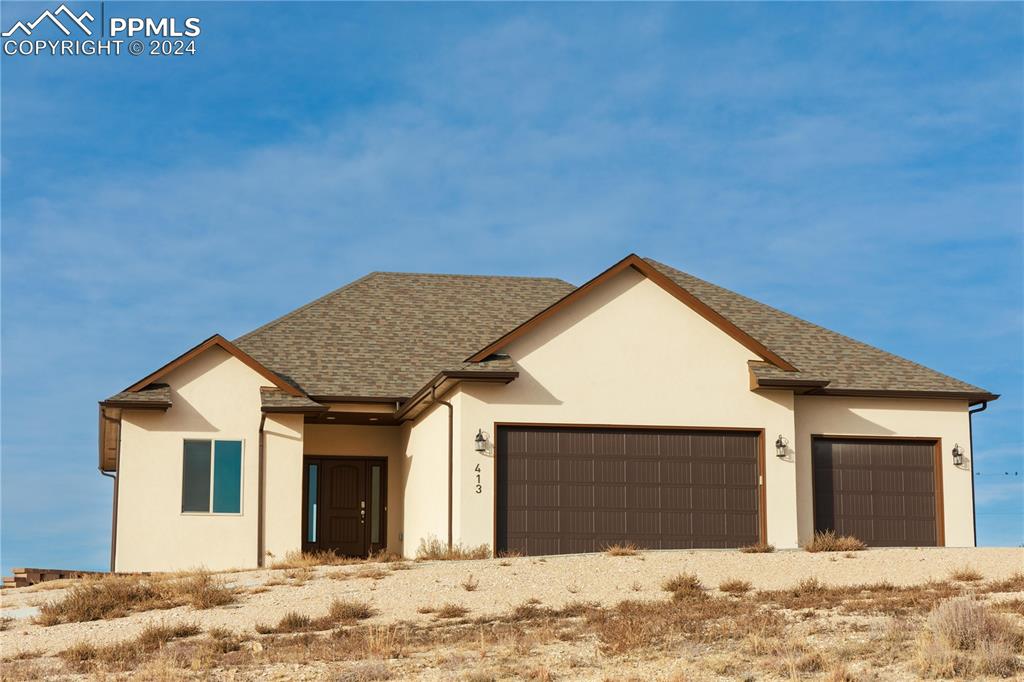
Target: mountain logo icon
[77,20]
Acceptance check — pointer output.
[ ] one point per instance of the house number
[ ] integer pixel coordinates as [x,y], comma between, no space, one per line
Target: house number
[479,487]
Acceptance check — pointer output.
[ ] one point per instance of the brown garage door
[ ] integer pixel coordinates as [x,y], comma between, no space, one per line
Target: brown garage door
[566,490]
[882,491]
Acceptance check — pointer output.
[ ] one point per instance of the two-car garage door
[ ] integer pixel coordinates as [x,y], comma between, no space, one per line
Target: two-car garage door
[569,489]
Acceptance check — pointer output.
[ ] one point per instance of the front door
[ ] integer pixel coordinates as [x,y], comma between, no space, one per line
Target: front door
[344,505]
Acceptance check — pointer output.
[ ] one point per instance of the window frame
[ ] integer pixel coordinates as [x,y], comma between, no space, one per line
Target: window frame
[213,473]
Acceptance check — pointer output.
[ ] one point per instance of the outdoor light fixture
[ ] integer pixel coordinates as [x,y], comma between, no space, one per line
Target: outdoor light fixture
[480,442]
[780,446]
[958,455]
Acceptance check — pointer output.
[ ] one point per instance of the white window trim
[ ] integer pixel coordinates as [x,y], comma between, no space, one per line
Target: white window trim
[213,465]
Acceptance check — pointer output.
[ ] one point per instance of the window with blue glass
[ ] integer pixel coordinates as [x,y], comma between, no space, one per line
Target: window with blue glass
[212,477]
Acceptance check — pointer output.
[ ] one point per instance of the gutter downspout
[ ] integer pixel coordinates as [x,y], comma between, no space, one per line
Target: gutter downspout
[970,444]
[451,411]
[116,478]
[260,549]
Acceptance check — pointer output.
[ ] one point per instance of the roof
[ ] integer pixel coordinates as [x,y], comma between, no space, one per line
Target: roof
[153,397]
[387,334]
[276,400]
[391,336]
[819,354]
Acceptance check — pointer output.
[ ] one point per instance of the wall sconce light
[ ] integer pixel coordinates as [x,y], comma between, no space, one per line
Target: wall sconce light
[480,441]
[780,446]
[958,455]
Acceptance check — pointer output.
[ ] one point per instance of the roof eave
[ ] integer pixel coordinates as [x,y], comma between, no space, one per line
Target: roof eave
[457,376]
[974,397]
[129,405]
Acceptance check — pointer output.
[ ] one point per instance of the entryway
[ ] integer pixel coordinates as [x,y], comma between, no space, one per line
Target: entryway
[344,505]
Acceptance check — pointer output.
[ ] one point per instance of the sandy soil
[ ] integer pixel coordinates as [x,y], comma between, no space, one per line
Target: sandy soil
[502,585]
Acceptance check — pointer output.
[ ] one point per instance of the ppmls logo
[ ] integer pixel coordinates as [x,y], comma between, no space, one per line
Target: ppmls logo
[165,36]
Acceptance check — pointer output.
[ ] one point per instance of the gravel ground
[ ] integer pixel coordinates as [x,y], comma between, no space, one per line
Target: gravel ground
[503,584]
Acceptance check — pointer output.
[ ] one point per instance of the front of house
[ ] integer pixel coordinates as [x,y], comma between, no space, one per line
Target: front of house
[646,406]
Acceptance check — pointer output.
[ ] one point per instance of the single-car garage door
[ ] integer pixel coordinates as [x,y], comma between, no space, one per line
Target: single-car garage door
[564,490]
[881,491]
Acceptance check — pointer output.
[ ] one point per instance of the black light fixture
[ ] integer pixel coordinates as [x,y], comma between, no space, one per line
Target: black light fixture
[958,455]
[780,446]
[480,441]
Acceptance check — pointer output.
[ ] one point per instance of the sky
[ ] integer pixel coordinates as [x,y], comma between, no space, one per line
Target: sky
[858,165]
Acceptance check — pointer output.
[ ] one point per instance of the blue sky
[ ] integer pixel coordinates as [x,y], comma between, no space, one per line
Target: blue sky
[858,165]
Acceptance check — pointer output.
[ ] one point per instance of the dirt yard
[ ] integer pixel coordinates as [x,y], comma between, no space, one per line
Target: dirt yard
[671,615]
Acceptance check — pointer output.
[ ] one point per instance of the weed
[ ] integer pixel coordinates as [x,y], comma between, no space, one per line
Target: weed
[628,549]
[759,548]
[432,549]
[734,586]
[830,541]
[469,583]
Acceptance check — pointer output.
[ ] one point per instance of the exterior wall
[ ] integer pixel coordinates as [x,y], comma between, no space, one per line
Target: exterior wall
[360,441]
[282,437]
[946,420]
[627,354]
[425,478]
[215,396]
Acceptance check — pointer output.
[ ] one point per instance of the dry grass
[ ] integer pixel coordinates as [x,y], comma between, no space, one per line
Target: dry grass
[340,612]
[347,611]
[1015,583]
[432,549]
[966,574]
[964,638]
[759,548]
[117,596]
[328,558]
[734,586]
[469,583]
[684,584]
[126,655]
[628,549]
[830,541]
[450,610]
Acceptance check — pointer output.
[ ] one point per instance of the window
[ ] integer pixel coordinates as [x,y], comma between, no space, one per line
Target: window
[212,477]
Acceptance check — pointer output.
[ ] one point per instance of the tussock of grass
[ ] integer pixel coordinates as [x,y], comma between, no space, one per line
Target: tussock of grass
[734,586]
[683,584]
[117,596]
[432,549]
[966,574]
[347,611]
[451,611]
[469,583]
[965,638]
[328,558]
[628,549]
[830,541]
[759,548]
[1015,583]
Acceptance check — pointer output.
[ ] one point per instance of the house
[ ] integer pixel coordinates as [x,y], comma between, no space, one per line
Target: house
[645,406]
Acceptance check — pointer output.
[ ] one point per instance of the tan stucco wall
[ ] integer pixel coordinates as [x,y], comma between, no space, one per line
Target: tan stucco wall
[214,396]
[282,436]
[363,441]
[627,354]
[425,478]
[946,420]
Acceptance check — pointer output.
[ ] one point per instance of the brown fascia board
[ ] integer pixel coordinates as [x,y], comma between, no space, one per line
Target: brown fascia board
[503,377]
[129,405]
[356,399]
[295,410]
[973,396]
[792,383]
[647,270]
[217,340]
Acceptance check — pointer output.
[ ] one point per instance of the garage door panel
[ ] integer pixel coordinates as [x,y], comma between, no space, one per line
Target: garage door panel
[882,491]
[583,489]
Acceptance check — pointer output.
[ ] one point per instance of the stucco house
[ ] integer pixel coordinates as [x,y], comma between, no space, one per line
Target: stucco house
[645,406]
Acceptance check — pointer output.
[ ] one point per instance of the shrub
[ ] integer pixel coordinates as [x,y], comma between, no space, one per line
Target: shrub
[451,611]
[759,548]
[343,611]
[830,541]
[469,583]
[432,549]
[963,638]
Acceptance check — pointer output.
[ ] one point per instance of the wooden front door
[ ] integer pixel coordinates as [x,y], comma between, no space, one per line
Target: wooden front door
[344,505]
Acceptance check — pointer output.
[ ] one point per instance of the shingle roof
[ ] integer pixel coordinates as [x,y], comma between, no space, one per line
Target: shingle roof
[154,396]
[387,334]
[818,353]
[276,400]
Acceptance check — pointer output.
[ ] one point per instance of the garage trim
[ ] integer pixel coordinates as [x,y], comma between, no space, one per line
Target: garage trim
[762,497]
[940,517]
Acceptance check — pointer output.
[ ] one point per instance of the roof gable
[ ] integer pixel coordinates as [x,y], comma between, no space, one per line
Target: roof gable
[646,269]
[221,342]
